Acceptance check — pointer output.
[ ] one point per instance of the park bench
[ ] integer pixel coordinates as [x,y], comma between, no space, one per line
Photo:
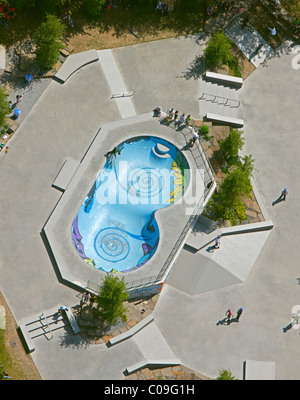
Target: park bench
[126,335]
[72,320]
[65,174]
[153,362]
[227,79]
[226,120]
[27,338]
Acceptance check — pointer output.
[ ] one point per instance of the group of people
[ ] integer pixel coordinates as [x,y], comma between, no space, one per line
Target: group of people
[174,116]
[183,119]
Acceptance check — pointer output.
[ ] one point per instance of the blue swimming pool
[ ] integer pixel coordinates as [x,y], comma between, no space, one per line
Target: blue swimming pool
[115,229]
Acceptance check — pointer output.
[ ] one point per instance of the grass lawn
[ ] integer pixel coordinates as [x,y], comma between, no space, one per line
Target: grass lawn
[16,362]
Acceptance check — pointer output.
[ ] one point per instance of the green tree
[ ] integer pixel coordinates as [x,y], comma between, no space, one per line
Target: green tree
[236,184]
[217,52]
[48,38]
[226,202]
[231,145]
[247,165]
[112,295]
[225,375]
[4,108]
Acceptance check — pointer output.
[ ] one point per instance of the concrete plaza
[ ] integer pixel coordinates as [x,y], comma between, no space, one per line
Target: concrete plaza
[63,123]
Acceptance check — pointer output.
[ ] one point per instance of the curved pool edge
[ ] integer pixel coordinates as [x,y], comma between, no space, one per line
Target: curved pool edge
[125,243]
[58,225]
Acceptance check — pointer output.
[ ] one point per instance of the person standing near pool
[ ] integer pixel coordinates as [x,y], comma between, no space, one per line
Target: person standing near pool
[183,118]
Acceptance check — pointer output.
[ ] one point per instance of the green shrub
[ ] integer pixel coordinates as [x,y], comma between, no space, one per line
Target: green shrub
[112,294]
[217,52]
[225,375]
[226,203]
[204,129]
[231,145]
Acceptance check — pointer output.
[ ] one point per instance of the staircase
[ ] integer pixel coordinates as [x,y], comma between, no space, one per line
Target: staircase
[218,98]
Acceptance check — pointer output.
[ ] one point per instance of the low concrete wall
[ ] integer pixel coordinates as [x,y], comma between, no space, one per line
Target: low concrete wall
[126,335]
[198,242]
[74,62]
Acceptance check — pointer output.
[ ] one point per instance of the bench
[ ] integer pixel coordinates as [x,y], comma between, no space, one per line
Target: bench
[226,120]
[72,320]
[74,62]
[27,338]
[126,335]
[259,370]
[227,79]
[65,174]
[152,362]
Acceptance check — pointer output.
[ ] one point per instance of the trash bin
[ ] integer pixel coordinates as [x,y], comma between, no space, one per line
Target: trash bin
[28,79]
[17,113]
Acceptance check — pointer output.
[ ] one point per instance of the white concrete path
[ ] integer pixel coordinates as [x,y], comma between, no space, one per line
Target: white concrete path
[116,83]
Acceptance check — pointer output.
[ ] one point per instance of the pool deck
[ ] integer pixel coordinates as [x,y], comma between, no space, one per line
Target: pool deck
[63,123]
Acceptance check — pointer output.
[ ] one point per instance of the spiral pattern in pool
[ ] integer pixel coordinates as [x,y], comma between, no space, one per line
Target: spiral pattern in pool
[145,182]
[112,244]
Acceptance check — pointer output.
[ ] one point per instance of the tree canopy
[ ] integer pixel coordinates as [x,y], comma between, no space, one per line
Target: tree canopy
[112,294]
[48,38]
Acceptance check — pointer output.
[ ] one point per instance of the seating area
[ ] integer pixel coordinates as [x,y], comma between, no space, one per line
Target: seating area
[72,320]
[126,335]
[224,79]
[65,174]
[236,122]
[74,62]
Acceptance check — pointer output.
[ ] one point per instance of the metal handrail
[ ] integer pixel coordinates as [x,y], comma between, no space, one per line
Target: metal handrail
[124,94]
[47,325]
[221,97]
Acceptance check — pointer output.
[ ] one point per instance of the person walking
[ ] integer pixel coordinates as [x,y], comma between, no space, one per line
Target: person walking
[238,314]
[218,242]
[228,314]
[283,194]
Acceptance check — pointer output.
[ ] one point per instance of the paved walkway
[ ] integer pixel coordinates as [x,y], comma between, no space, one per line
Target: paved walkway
[63,123]
[116,83]
[248,42]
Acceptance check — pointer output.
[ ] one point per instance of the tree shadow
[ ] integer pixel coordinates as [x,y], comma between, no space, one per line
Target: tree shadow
[119,21]
[196,69]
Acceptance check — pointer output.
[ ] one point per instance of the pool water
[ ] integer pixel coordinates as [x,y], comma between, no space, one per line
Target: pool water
[115,228]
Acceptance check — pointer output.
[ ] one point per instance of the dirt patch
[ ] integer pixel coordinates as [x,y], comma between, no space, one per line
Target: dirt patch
[246,66]
[20,365]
